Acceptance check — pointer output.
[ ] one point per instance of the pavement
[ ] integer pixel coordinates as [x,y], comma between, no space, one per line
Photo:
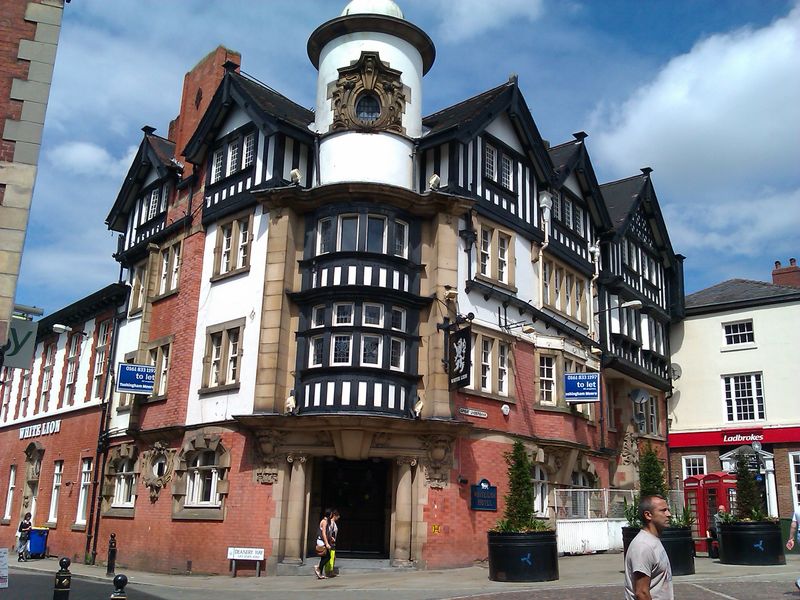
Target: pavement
[594,577]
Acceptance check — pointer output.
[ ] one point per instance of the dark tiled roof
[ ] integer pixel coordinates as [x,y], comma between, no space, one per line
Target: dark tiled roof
[274,103]
[163,148]
[620,196]
[465,111]
[741,290]
[563,154]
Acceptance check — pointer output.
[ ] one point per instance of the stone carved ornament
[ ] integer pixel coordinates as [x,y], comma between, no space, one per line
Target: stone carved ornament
[368,75]
[267,446]
[630,448]
[157,468]
[438,459]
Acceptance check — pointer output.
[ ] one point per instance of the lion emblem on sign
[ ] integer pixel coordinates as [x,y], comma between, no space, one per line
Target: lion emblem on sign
[459,360]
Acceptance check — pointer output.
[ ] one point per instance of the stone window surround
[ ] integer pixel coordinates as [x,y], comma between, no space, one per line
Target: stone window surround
[199,441]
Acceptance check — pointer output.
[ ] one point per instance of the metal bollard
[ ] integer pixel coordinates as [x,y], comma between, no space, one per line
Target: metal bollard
[111,563]
[63,580]
[120,581]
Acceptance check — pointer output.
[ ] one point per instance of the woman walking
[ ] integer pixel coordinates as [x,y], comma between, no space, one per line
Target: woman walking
[326,539]
[24,531]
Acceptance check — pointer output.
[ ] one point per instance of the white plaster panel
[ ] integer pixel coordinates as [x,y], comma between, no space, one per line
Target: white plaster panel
[223,301]
[374,158]
[572,185]
[502,128]
[236,118]
[398,53]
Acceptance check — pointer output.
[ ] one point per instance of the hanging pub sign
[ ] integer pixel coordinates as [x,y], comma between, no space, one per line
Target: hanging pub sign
[483,496]
[582,387]
[459,357]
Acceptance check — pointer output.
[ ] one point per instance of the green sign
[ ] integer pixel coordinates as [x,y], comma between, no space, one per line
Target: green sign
[21,344]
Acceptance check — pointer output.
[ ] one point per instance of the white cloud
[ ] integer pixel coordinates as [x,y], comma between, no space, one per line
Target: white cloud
[466,19]
[720,125]
[725,111]
[85,158]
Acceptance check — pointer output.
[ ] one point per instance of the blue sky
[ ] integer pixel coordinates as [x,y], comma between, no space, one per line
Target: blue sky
[706,92]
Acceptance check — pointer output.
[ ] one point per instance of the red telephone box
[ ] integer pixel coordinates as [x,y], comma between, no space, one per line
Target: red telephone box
[704,494]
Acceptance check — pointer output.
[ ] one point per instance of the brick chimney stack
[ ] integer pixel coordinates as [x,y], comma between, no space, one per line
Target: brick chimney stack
[199,86]
[789,276]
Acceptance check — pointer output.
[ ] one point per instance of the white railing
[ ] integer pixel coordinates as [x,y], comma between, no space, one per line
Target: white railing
[592,520]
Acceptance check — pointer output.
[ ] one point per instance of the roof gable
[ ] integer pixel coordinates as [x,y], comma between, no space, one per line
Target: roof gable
[155,154]
[467,119]
[571,160]
[268,109]
[634,210]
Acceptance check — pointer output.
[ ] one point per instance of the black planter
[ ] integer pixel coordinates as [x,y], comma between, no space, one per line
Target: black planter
[628,533]
[677,542]
[523,556]
[679,545]
[751,543]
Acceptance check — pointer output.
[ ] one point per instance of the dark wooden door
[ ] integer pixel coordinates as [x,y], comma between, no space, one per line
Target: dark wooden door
[359,490]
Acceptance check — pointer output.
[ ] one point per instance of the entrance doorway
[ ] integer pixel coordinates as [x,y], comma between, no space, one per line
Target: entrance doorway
[360,490]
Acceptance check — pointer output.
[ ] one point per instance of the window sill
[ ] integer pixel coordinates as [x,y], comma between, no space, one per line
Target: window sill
[653,436]
[5,522]
[489,395]
[167,294]
[737,347]
[135,312]
[228,387]
[197,513]
[78,527]
[120,512]
[553,408]
[152,399]
[498,185]
[496,283]
[51,525]
[229,274]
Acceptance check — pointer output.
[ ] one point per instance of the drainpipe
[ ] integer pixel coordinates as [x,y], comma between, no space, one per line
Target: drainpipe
[546,204]
[414,169]
[317,176]
[594,250]
[101,456]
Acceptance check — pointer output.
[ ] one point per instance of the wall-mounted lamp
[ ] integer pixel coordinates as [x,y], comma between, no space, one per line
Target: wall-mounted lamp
[59,328]
[525,326]
[635,304]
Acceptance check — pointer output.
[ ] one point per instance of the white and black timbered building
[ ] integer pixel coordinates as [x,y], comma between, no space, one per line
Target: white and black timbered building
[296,276]
[641,296]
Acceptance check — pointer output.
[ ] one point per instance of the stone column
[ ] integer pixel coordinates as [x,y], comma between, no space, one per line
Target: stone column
[296,509]
[401,554]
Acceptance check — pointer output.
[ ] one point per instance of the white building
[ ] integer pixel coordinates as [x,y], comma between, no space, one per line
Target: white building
[734,356]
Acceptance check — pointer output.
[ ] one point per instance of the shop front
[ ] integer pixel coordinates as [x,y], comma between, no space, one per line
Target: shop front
[771,452]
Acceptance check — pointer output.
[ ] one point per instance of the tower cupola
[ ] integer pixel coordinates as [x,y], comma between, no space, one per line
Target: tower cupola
[369,93]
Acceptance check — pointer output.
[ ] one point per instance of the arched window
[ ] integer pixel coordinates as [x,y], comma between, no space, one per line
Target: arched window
[368,108]
[541,491]
[582,495]
[203,478]
[124,484]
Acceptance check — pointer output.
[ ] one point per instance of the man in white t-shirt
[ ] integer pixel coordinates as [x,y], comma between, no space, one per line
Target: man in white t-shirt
[648,574]
[792,533]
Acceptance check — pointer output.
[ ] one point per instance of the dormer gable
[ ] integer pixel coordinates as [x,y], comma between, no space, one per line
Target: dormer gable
[500,109]
[270,112]
[153,168]
[574,172]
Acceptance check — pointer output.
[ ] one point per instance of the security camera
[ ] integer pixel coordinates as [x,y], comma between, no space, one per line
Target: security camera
[451,294]
[434,181]
[296,175]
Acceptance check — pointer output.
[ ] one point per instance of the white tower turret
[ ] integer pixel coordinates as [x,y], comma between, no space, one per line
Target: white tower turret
[369,93]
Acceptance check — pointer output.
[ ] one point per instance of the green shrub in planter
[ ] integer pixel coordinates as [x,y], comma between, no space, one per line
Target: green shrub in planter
[521,546]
